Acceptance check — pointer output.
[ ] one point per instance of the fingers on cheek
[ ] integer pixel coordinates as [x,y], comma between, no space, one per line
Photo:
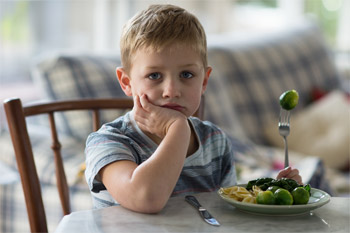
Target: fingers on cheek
[138,109]
[145,103]
[137,101]
[139,114]
[140,99]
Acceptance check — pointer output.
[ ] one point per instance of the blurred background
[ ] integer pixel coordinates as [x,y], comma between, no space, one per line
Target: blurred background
[33,28]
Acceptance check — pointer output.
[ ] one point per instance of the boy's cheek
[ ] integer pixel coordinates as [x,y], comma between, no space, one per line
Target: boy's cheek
[143,94]
[149,100]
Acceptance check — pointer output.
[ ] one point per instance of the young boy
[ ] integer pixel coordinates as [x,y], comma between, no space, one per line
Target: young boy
[158,150]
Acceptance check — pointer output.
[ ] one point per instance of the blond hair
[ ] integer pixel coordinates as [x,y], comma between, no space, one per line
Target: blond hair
[159,26]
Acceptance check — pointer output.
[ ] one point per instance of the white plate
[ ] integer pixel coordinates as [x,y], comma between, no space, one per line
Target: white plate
[318,198]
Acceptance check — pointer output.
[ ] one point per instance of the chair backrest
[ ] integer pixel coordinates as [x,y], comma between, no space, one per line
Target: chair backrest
[16,114]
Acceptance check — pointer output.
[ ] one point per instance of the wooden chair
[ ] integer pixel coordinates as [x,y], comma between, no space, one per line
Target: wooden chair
[16,114]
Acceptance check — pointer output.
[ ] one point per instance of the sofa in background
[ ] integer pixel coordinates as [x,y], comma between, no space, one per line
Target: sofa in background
[242,98]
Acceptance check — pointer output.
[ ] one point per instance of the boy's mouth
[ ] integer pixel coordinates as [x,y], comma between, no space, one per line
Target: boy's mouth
[173,107]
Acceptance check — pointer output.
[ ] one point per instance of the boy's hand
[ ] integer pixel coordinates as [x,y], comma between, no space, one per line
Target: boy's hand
[154,119]
[290,173]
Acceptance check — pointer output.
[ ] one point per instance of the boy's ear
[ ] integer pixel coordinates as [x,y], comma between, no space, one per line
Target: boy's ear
[206,78]
[124,81]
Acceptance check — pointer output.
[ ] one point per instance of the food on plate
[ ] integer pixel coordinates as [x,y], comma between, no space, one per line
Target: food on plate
[265,197]
[266,182]
[289,99]
[283,197]
[300,196]
[273,188]
[241,194]
[269,191]
[249,199]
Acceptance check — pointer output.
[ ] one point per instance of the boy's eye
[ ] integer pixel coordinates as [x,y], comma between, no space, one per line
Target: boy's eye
[154,76]
[186,74]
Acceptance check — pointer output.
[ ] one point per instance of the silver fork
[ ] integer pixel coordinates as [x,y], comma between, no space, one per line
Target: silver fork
[284,128]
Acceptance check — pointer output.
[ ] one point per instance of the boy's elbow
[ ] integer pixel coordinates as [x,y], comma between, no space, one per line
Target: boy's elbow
[152,204]
[147,208]
[147,203]
[152,208]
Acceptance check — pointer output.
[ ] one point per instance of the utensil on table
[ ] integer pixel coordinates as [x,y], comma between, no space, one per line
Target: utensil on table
[203,212]
[284,129]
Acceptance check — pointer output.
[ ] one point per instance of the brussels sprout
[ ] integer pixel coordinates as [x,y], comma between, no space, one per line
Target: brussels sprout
[289,99]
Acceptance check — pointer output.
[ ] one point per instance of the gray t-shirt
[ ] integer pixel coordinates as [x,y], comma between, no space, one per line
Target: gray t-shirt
[209,168]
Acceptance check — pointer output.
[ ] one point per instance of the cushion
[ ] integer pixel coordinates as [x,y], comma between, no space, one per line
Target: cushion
[218,107]
[79,76]
[322,130]
[13,214]
[72,154]
[255,72]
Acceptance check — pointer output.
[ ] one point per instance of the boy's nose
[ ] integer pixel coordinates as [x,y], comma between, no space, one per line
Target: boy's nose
[171,89]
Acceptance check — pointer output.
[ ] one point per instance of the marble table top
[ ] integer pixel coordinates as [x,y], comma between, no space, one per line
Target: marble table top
[179,216]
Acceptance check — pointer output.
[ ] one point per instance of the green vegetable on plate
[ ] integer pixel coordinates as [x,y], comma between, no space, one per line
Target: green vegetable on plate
[300,196]
[282,191]
[266,182]
[283,197]
[265,198]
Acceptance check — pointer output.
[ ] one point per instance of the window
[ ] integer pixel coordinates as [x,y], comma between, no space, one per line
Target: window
[30,28]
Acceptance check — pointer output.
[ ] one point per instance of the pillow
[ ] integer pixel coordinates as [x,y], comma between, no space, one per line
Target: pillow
[218,107]
[75,77]
[322,129]
[254,73]
[72,154]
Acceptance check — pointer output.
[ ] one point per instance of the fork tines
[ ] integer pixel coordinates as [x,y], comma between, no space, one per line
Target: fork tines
[284,118]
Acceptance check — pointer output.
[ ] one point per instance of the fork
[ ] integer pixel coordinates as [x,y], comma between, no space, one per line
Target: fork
[284,128]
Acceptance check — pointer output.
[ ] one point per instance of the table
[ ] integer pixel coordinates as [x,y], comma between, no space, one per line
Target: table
[179,216]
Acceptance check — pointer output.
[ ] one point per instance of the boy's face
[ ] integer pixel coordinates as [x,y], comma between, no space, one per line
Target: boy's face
[173,78]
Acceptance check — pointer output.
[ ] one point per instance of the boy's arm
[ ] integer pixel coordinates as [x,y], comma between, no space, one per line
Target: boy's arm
[148,186]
